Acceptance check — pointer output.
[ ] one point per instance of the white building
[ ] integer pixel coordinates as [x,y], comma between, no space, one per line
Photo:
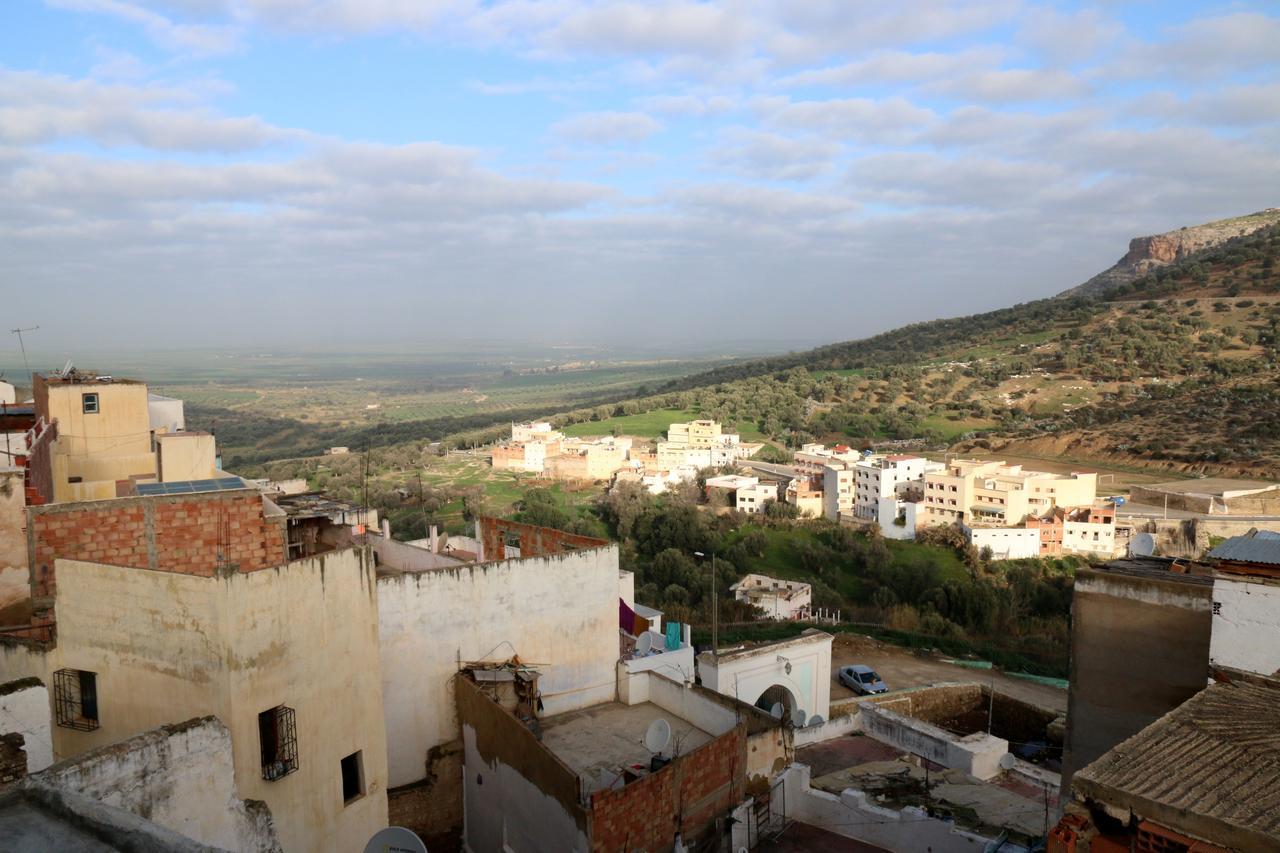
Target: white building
[751,499]
[534,431]
[795,673]
[1006,543]
[1246,603]
[879,477]
[8,394]
[779,599]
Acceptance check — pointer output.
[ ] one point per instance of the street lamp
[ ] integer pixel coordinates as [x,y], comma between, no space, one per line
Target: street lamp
[715,607]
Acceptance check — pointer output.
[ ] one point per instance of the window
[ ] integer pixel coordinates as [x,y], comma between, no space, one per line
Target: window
[89,403]
[352,777]
[75,699]
[278,736]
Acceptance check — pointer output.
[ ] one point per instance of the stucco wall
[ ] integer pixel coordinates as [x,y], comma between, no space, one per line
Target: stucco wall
[24,708]
[15,579]
[1139,648]
[558,612]
[180,777]
[1246,625]
[747,675]
[518,794]
[169,646]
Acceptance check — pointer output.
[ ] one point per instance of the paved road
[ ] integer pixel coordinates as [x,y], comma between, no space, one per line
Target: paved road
[769,468]
[903,668]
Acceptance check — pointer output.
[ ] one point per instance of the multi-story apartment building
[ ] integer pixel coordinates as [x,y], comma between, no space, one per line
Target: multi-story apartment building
[880,477]
[535,431]
[752,499]
[810,459]
[703,433]
[999,494]
[805,494]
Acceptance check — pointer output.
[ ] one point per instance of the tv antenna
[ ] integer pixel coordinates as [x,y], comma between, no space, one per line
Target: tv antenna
[22,345]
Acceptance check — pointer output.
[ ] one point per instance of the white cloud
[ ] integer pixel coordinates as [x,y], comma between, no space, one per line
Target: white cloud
[200,39]
[607,128]
[695,106]
[886,120]
[896,66]
[772,156]
[1014,85]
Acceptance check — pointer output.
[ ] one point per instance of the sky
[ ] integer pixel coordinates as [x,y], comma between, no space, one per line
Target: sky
[324,173]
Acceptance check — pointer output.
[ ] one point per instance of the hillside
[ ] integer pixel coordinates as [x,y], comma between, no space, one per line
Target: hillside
[1136,376]
[1149,254]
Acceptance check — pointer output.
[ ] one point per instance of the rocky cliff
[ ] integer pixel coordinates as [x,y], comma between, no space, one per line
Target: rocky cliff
[1148,253]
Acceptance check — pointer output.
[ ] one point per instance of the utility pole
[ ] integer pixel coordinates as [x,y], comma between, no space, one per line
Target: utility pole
[23,347]
[715,607]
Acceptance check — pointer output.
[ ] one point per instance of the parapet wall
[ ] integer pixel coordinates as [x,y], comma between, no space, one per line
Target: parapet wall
[190,534]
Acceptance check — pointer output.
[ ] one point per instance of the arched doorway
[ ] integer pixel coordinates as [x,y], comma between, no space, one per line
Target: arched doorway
[774,694]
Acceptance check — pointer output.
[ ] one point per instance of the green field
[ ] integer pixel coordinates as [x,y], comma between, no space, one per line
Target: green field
[645,425]
[950,429]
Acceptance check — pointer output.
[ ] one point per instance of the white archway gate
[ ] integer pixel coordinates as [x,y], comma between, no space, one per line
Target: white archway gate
[797,669]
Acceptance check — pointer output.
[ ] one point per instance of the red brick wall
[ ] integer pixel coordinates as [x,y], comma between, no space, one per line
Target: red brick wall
[688,794]
[171,534]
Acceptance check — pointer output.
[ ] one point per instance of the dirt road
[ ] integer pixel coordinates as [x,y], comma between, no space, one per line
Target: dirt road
[903,668]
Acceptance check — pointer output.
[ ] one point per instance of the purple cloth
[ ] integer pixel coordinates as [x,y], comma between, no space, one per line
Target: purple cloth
[626,618]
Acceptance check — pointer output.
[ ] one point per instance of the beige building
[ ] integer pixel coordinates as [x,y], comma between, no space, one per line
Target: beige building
[752,499]
[805,494]
[284,653]
[590,460]
[98,438]
[697,434]
[998,494]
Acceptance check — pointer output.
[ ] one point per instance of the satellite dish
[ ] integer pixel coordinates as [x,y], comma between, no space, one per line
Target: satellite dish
[395,839]
[1007,761]
[645,644]
[816,720]
[798,718]
[1143,545]
[657,736]
[777,710]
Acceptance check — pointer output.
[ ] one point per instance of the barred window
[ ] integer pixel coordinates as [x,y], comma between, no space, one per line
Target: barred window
[75,699]
[278,735]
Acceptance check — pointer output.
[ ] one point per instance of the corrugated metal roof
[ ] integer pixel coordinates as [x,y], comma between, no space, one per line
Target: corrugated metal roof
[1215,757]
[1260,546]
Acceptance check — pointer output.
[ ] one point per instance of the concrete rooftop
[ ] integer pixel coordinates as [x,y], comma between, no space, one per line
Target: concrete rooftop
[609,737]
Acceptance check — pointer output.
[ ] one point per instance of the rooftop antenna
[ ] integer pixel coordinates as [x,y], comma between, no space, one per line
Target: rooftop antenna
[23,347]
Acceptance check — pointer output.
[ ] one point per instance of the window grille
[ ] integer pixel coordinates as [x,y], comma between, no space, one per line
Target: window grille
[278,735]
[75,699]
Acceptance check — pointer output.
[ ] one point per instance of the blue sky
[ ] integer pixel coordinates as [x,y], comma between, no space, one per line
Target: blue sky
[192,172]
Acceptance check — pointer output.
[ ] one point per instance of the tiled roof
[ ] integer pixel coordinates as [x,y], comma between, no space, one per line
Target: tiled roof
[1258,546]
[1209,767]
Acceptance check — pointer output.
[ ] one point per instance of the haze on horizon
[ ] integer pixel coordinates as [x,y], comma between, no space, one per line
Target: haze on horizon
[244,173]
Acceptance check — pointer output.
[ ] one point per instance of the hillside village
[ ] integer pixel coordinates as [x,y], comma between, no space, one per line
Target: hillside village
[173,630]
[829,602]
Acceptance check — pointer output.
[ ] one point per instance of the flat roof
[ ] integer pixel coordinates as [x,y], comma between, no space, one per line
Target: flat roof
[599,741]
[1209,766]
[808,635]
[1159,568]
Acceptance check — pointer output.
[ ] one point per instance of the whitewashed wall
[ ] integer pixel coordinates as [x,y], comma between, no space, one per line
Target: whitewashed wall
[1246,625]
[559,613]
[24,708]
[181,777]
